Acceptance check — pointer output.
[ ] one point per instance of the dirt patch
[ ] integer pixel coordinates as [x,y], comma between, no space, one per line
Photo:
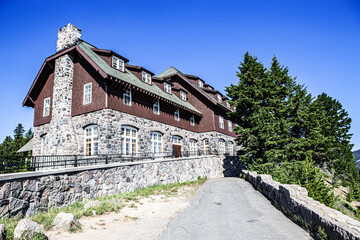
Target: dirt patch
[145,219]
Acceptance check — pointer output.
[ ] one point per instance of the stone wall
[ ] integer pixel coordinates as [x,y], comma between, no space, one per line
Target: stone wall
[25,193]
[294,201]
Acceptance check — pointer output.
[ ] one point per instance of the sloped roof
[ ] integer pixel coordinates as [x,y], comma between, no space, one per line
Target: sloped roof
[27,147]
[172,71]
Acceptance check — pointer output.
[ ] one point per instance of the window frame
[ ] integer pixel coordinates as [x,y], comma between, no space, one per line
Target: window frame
[193,147]
[192,120]
[116,63]
[146,77]
[93,138]
[90,94]
[222,146]
[177,115]
[229,126]
[156,144]
[167,87]
[130,137]
[201,84]
[221,122]
[182,95]
[206,146]
[127,94]
[46,107]
[219,97]
[157,104]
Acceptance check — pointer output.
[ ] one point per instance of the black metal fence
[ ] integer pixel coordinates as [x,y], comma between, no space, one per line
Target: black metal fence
[10,164]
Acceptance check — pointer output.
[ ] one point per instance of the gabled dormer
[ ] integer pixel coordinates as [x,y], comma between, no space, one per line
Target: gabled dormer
[141,73]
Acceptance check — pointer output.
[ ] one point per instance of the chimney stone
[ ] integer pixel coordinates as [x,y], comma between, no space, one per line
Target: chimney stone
[67,37]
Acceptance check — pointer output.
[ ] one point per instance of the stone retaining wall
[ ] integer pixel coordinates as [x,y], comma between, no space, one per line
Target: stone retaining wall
[294,201]
[25,193]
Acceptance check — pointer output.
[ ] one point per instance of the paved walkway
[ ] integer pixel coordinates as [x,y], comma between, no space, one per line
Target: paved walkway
[230,208]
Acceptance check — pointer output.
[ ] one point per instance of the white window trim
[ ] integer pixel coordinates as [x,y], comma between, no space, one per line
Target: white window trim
[92,139]
[192,120]
[116,63]
[124,137]
[183,95]
[201,84]
[222,146]
[157,102]
[146,77]
[229,126]
[206,145]
[89,84]
[221,122]
[177,115]
[193,147]
[178,140]
[130,95]
[46,113]
[167,87]
[228,104]
[219,98]
[153,142]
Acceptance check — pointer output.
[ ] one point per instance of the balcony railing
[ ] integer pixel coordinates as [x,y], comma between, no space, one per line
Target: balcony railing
[10,164]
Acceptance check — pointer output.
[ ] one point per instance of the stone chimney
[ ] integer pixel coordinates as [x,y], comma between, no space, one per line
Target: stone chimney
[67,37]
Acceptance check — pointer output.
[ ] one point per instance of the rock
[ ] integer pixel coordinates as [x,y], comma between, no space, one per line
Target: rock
[2,232]
[17,205]
[65,221]
[27,229]
[92,204]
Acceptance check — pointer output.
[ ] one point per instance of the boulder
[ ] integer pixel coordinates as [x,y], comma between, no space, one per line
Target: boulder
[65,221]
[27,229]
[92,204]
[2,232]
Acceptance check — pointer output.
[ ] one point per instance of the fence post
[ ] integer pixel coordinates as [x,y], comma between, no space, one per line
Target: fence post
[75,161]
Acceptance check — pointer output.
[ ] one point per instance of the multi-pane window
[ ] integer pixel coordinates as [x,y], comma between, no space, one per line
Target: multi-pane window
[118,63]
[183,95]
[228,104]
[127,97]
[87,93]
[176,140]
[206,146]
[229,126]
[146,77]
[167,87]
[230,147]
[192,120]
[221,146]
[156,107]
[201,83]
[219,97]
[128,140]
[156,142]
[193,147]
[221,122]
[91,140]
[177,115]
[46,107]
[43,142]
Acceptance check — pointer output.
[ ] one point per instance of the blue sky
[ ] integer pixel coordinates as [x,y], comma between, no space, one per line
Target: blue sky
[318,40]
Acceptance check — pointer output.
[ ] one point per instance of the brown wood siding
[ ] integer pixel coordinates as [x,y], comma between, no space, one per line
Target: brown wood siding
[46,92]
[84,74]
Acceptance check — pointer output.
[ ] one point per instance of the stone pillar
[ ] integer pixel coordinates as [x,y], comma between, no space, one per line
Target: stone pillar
[67,37]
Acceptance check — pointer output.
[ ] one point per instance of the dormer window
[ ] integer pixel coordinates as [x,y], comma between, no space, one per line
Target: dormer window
[219,97]
[201,84]
[177,115]
[183,95]
[118,63]
[167,87]
[146,77]
[229,126]
[228,104]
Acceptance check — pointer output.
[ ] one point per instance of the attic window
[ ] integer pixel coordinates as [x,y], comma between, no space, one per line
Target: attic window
[183,95]
[118,63]
[167,87]
[46,111]
[146,77]
[201,84]
[219,97]
[192,120]
[177,115]
[228,104]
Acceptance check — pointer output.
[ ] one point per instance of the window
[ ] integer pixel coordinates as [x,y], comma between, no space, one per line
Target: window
[228,104]
[206,146]
[176,140]
[118,64]
[177,115]
[192,120]
[127,97]
[167,87]
[146,77]
[128,140]
[46,107]
[221,146]
[219,97]
[91,140]
[156,142]
[193,147]
[156,107]
[183,95]
[230,147]
[87,93]
[234,109]
[201,83]
[43,142]
[221,122]
[229,126]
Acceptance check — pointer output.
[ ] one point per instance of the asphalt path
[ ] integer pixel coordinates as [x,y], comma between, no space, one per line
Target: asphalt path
[230,208]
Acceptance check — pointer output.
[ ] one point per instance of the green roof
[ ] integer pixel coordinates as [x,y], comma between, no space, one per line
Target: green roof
[130,78]
[172,70]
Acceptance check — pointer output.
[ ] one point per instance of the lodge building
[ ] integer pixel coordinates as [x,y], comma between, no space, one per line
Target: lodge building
[91,101]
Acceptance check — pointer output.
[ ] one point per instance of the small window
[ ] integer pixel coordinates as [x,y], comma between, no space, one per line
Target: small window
[87,93]
[229,126]
[46,107]
[183,95]
[221,122]
[177,115]
[91,138]
[201,84]
[193,147]
[157,107]
[192,120]
[146,77]
[228,104]
[127,97]
[118,63]
[156,142]
[167,87]
[219,97]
